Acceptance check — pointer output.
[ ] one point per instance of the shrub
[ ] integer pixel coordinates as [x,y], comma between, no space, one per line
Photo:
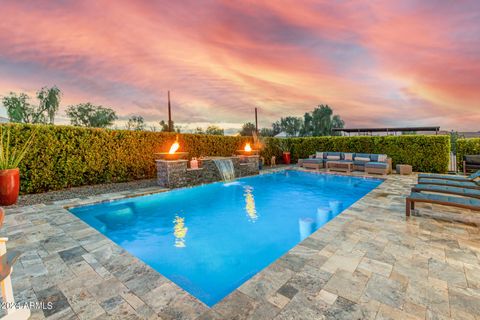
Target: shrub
[424,153]
[66,156]
[466,147]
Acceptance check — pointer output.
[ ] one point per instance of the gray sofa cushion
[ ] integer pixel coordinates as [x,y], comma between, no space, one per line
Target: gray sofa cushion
[374,164]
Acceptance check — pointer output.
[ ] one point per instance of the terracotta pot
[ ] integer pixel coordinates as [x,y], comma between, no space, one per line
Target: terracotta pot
[286,157]
[9,186]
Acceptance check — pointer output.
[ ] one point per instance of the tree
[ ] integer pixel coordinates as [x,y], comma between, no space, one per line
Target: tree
[247,129]
[88,115]
[136,123]
[320,122]
[291,125]
[49,99]
[215,130]
[20,110]
[266,132]
[198,130]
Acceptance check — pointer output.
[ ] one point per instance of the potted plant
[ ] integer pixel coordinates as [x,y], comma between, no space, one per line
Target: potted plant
[9,172]
[284,146]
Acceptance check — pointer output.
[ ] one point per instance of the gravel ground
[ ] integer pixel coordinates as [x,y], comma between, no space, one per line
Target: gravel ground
[83,192]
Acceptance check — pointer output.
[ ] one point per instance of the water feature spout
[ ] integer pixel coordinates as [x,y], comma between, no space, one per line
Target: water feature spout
[226,169]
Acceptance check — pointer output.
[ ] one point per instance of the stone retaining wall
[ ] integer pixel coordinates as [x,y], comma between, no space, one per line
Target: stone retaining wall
[176,174]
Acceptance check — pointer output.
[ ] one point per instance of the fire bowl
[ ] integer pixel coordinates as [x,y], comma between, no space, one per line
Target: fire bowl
[171,156]
[248,153]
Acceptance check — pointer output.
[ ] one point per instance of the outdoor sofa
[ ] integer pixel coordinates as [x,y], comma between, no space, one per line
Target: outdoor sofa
[368,162]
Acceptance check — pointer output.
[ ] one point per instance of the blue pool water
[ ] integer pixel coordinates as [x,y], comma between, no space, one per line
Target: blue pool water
[210,239]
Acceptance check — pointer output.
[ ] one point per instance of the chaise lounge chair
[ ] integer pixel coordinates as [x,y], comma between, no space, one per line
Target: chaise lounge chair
[466,203]
[472,177]
[451,183]
[464,192]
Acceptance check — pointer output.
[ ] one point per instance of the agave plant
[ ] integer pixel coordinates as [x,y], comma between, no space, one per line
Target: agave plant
[10,157]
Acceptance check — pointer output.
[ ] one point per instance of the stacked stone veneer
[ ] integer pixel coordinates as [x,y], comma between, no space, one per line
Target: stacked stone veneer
[176,174]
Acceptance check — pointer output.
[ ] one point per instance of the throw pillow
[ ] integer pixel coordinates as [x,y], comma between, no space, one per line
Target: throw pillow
[348,156]
[382,157]
[333,157]
[362,159]
[319,155]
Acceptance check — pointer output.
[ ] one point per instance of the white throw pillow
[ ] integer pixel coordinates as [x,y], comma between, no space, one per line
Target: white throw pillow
[382,158]
[333,157]
[348,156]
[319,155]
[362,159]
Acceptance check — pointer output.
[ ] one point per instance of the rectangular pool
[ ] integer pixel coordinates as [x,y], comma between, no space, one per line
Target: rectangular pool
[212,238]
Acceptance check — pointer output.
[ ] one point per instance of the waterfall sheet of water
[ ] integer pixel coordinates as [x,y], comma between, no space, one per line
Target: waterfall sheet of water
[226,169]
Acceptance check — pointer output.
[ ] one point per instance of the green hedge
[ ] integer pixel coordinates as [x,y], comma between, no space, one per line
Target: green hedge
[425,153]
[466,146]
[66,156]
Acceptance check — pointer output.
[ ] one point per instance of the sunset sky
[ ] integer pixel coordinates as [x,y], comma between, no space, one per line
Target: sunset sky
[377,63]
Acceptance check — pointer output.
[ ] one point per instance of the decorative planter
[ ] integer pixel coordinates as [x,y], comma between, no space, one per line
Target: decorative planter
[286,157]
[9,186]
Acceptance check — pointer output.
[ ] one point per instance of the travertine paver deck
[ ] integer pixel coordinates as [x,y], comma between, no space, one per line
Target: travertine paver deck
[368,263]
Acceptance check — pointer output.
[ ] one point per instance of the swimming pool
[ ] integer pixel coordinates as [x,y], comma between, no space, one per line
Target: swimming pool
[212,238]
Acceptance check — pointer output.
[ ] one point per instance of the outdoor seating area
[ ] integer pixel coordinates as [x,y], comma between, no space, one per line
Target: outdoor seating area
[344,161]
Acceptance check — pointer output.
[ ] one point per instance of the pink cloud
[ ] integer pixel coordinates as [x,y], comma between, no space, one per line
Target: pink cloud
[376,63]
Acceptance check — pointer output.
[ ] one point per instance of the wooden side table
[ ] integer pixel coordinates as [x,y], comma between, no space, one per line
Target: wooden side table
[404,169]
[339,166]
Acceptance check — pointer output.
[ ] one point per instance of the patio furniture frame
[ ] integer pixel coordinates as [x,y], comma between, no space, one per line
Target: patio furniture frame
[339,166]
[439,199]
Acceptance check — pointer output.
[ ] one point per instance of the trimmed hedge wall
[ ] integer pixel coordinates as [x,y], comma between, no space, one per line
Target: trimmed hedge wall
[425,153]
[66,156]
[466,146]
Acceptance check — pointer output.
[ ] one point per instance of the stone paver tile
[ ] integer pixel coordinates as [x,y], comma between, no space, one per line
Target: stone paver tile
[347,285]
[375,266]
[240,306]
[341,260]
[385,291]
[308,307]
[473,276]
[161,296]
[107,289]
[185,307]
[54,297]
[466,299]
[387,312]
[267,282]
[327,297]
[278,300]
[84,304]
[210,315]
[346,309]
[309,280]
[292,261]
[414,309]
[459,256]
[453,274]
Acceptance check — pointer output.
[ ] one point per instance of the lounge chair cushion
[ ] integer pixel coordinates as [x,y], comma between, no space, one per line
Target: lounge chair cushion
[375,164]
[442,198]
[452,183]
[442,176]
[460,191]
[475,175]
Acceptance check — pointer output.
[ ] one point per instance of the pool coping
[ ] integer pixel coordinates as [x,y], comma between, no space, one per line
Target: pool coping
[58,246]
